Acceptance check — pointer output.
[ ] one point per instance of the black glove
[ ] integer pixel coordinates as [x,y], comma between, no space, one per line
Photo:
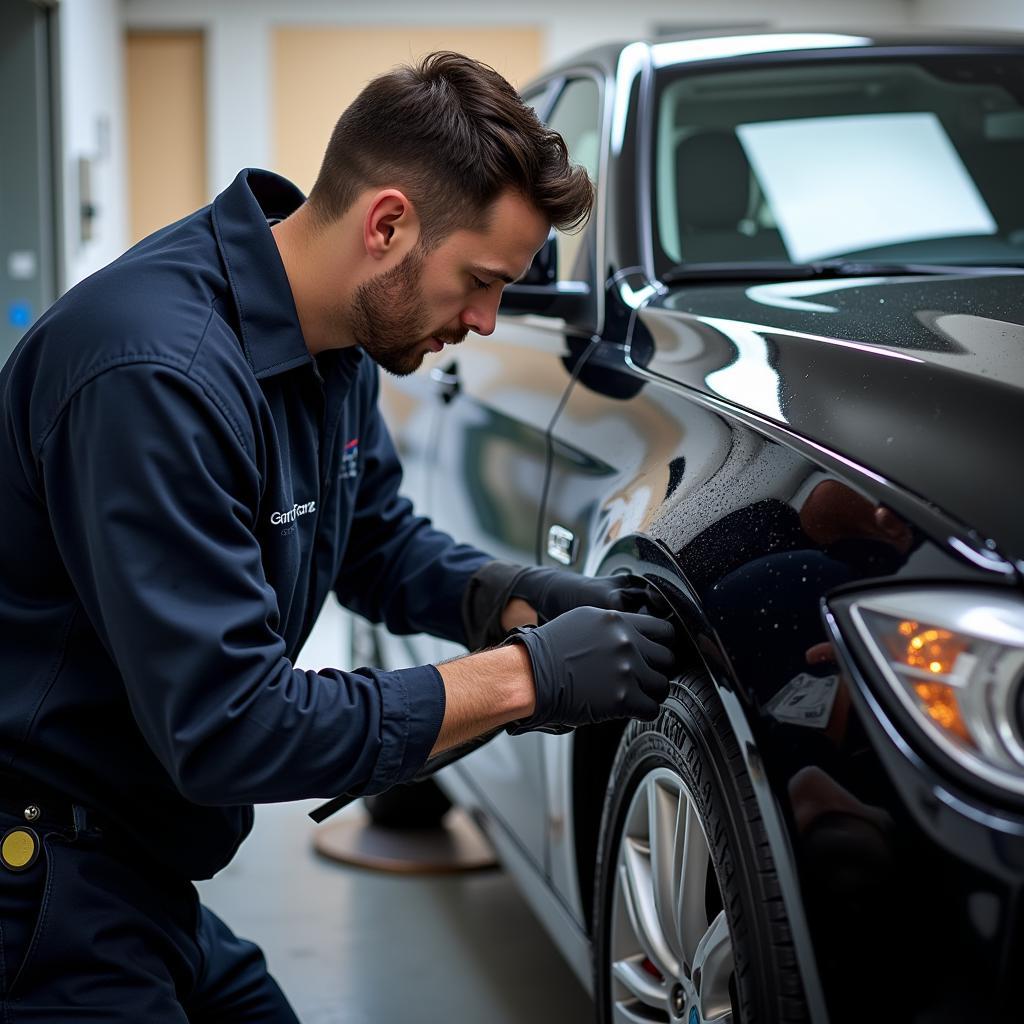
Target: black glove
[550,592]
[593,664]
[554,591]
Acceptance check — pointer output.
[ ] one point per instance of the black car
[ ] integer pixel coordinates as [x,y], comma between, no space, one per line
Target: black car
[781,374]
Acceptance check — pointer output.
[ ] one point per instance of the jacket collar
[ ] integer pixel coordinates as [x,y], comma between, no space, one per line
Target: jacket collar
[271,335]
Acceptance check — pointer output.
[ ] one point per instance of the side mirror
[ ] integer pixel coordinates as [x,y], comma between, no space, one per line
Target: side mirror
[569,300]
[540,292]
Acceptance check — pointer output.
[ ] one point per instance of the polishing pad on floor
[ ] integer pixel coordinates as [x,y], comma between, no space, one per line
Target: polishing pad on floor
[455,845]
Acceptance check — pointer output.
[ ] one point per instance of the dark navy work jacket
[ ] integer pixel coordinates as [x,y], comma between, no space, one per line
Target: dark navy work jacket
[182,484]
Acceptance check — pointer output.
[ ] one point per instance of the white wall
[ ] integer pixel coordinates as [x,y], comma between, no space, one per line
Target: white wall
[92,119]
[987,14]
[238,41]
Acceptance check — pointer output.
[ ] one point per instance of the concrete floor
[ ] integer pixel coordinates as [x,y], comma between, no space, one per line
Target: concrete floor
[350,946]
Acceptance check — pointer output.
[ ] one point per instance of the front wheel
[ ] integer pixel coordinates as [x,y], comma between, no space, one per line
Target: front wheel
[689,922]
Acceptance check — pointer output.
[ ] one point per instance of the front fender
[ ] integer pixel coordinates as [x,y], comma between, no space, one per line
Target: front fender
[651,559]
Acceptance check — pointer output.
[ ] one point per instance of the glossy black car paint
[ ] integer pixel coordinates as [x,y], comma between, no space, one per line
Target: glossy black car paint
[633,425]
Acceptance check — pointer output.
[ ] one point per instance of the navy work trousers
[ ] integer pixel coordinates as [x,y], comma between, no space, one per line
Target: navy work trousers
[86,933]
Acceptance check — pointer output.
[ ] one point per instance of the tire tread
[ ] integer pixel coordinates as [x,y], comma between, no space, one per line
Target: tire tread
[694,723]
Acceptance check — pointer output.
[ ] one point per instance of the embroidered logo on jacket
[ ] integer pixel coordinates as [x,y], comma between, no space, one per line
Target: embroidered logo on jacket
[350,460]
[277,518]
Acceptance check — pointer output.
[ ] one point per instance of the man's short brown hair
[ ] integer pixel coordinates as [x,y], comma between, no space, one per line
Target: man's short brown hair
[454,135]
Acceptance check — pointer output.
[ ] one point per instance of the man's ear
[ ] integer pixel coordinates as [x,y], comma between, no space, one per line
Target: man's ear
[391,226]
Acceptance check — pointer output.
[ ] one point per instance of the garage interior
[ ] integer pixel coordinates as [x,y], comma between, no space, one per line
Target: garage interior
[130,114]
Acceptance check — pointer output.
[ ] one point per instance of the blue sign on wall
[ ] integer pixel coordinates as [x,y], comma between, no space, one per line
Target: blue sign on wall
[19,313]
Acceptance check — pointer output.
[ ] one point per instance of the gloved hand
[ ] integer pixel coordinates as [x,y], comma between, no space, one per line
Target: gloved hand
[554,591]
[593,664]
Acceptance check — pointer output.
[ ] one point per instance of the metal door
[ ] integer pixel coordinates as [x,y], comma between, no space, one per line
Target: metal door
[28,276]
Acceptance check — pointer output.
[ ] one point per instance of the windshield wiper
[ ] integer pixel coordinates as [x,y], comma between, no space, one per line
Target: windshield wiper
[783,270]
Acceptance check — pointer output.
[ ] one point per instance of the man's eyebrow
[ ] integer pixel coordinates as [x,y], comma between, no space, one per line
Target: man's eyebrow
[499,274]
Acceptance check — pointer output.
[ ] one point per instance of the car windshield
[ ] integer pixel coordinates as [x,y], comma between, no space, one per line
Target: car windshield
[915,160]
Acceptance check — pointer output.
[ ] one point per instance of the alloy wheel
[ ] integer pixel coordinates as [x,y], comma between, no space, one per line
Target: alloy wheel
[671,951]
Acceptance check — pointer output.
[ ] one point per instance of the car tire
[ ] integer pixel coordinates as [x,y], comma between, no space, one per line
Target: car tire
[689,920]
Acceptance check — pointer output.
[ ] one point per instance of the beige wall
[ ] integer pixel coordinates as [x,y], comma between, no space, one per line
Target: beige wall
[166,127]
[318,70]
[240,42]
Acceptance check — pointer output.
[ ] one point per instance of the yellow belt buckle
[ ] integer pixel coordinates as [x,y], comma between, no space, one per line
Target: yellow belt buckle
[19,848]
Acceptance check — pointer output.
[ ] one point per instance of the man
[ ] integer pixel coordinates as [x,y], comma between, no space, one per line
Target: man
[176,460]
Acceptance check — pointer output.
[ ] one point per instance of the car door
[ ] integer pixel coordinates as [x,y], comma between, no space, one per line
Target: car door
[499,395]
[411,409]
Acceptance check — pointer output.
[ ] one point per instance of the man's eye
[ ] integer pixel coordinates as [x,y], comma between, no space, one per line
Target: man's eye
[477,283]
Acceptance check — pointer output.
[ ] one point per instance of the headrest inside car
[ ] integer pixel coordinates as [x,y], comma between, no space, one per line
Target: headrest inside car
[712,181]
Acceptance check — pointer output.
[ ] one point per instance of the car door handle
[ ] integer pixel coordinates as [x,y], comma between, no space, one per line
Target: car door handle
[446,381]
[562,544]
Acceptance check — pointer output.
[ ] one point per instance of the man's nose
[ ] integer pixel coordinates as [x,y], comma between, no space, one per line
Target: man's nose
[481,317]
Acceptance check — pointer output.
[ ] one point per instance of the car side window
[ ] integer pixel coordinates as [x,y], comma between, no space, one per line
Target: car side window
[577,118]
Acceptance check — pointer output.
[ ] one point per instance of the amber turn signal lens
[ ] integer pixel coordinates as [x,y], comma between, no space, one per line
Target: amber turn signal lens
[939,703]
[934,650]
[954,658]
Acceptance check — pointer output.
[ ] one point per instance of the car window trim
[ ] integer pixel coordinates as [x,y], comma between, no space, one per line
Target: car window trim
[546,89]
[553,87]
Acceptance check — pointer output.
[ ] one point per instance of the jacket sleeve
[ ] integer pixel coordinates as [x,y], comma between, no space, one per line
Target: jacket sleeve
[152,486]
[397,569]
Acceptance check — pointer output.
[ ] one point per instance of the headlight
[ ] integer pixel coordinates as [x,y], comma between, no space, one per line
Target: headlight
[955,661]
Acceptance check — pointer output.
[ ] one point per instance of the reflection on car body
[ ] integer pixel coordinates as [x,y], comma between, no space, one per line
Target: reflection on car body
[805,428]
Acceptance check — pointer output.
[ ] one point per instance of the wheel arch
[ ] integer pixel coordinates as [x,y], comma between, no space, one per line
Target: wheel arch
[594,751]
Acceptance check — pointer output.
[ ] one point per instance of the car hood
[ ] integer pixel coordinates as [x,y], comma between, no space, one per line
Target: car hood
[919,379]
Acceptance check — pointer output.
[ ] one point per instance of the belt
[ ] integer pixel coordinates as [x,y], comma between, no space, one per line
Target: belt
[42,806]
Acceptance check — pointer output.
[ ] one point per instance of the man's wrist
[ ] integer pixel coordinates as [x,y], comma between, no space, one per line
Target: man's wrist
[485,691]
[518,613]
[521,698]
[500,679]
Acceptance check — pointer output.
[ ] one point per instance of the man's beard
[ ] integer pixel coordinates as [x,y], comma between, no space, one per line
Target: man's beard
[388,317]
